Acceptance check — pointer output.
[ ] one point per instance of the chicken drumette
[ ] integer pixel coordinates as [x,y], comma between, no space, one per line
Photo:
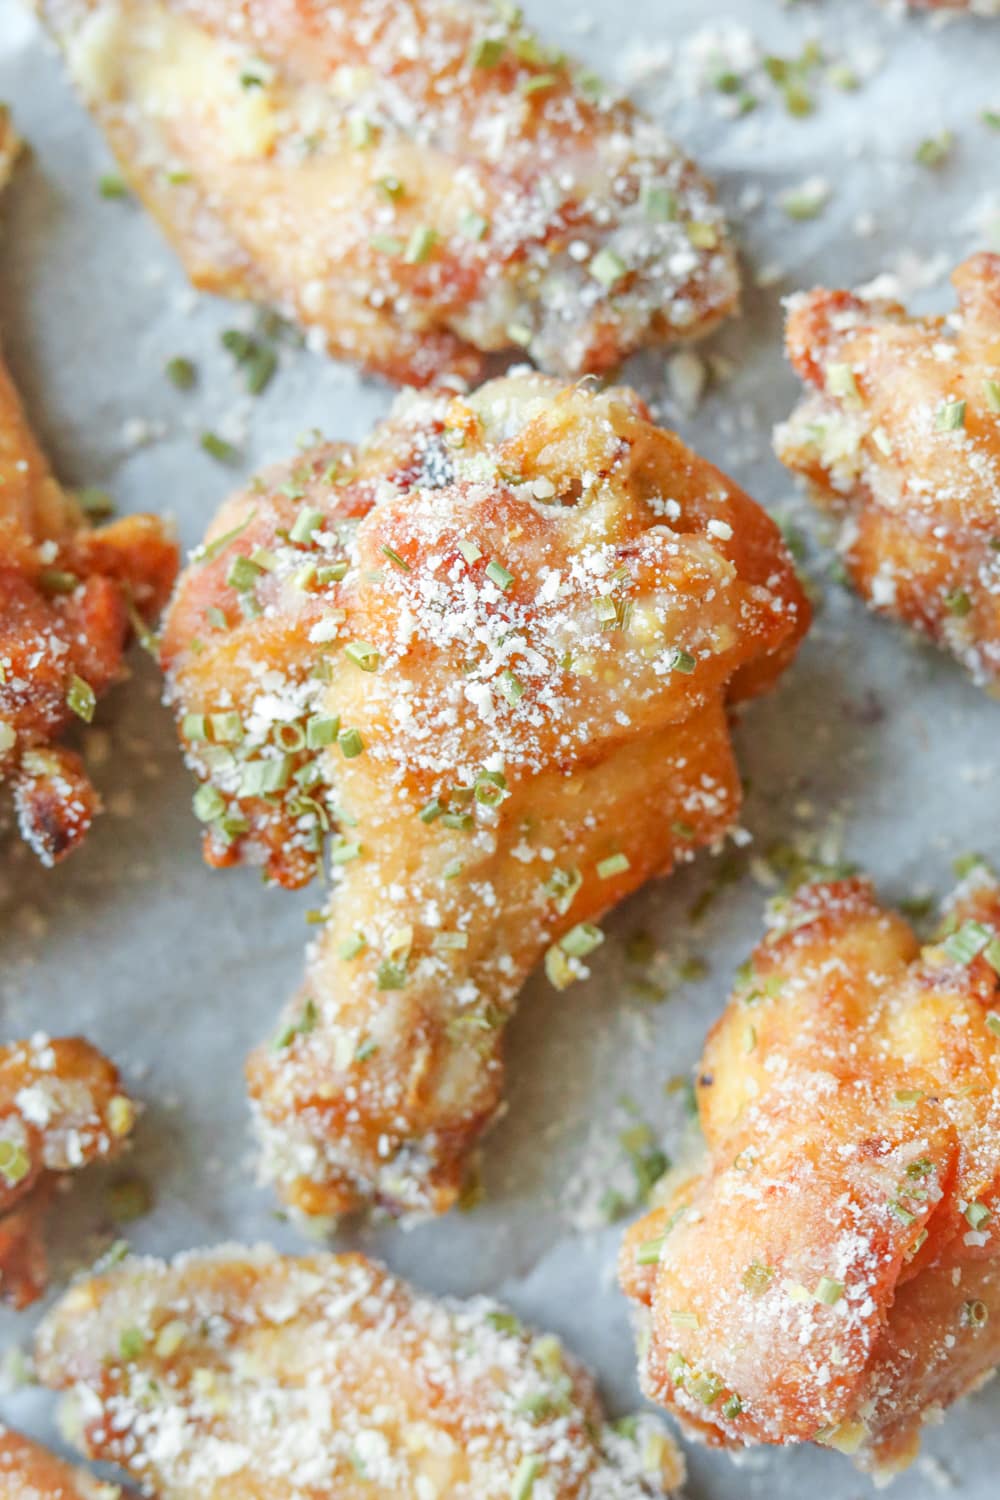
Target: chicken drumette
[420,181]
[831,1274]
[67,594]
[495,647]
[901,439]
[245,1375]
[62,1106]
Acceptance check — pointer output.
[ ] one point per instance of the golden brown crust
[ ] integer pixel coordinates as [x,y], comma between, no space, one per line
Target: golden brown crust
[62,1106]
[831,1272]
[420,181]
[65,596]
[30,1472]
[901,438]
[244,1375]
[555,601]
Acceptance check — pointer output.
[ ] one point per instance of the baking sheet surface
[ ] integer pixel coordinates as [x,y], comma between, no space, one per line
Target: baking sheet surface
[874,748]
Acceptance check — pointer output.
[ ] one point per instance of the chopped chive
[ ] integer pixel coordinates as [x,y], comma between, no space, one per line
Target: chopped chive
[991,390]
[648,1253]
[81,698]
[448,942]
[705,1386]
[350,742]
[829,1291]
[14,1163]
[389,187]
[208,803]
[453,869]
[367,1049]
[731,1407]
[211,550]
[216,617]
[469,551]
[840,382]
[658,202]
[352,946]
[975,1313]
[227,728]
[386,244]
[682,661]
[343,852]
[110,185]
[194,727]
[306,522]
[934,151]
[906,1098]
[977,1214]
[181,373]
[419,245]
[260,366]
[306,1023]
[681,1319]
[562,887]
[321,730]
[390,975]
[536,84]
[472,225]
[615,864]
[363,655]
[950,416]
[520,334]
[58,581]
[993,1022]
[131,1343]
[262,777]
[463,822]
[605,609]
[487,51]
[95,502]
[430,811]
[607,267]
[217,448]
[757,1278]
[491,788]
[581,940]
[702,236]
[511,687]
[361,131]
[958,603]
[499,575]
[991,117]
[523,1483]
[395,559]
[967,943]
[242,574]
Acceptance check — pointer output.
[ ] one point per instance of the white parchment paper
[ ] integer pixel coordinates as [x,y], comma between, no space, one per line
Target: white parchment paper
[874,746]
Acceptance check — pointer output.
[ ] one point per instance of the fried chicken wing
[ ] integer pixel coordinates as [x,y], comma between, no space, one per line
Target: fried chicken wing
[66,592]
[832,1272]
[495,646]
[420,181]
[901,438]
[244,1375]
[62,1106]
[30,1472]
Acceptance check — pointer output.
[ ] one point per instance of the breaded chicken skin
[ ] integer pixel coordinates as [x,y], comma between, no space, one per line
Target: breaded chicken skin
[29,1472]
[62,1106]
[495,647]
[420,181]
[66,592]
[901,438]
[245,1375]
[832,1273]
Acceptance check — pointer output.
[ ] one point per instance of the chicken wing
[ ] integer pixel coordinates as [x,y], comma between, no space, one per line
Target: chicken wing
[495,646]
[66,593]
[30,1472]
[831,1273]
[901,438]
[242,1373]
[62,1106]
[420,181]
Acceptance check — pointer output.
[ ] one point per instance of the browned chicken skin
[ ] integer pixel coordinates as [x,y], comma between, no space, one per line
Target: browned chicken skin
[831,1272]
[900,437]
[66,591]
[29,1472]
[244,1375]
[495,646]
[420,181]
[62,1106]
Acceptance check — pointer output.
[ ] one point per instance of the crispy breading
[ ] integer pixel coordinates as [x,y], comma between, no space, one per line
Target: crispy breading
[66,591]
[62,1106]
[240,1374]
[29,1472]
[421,182]
[495,645]
[831,1273]
[901,438]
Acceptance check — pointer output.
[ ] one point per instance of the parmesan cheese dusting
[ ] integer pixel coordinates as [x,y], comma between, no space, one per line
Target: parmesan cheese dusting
[241,1371]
